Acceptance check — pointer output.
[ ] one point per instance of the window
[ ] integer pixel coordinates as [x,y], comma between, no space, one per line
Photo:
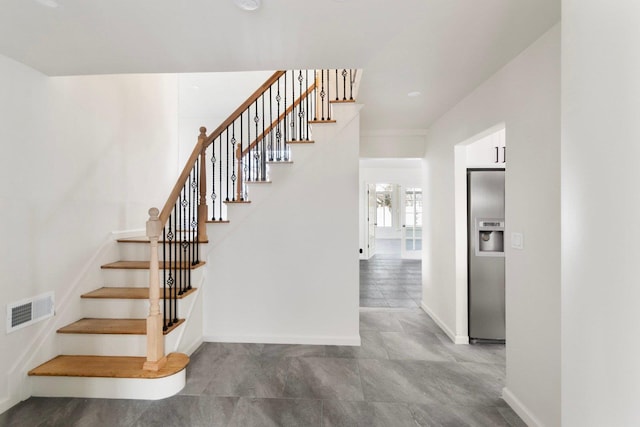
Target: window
[384,197]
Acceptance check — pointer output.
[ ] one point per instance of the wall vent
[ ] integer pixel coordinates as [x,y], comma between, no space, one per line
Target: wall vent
[29,311]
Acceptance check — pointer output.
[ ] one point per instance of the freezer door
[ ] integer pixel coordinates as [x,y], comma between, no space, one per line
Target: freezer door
[486,273]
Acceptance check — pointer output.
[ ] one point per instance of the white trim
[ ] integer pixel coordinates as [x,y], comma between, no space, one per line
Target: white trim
[284,339]
[520,409]
[457,339]
[110,388]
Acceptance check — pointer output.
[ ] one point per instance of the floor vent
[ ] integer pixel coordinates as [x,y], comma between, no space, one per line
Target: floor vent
[29,311]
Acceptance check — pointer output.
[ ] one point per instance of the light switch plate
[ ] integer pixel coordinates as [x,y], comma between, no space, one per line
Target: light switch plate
[517,241]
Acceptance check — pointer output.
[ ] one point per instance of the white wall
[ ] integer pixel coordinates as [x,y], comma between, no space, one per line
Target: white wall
[600,213]
[82,157]
[525,96]
[285,270]
[393,144]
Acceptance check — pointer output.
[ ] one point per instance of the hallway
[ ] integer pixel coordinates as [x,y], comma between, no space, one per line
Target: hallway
[406,373]
[387,280]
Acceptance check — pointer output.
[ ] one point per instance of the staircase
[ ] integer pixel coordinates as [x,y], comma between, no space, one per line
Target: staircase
[118,350]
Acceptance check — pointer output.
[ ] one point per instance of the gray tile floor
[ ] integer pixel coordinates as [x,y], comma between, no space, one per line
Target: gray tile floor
[386,280]
[406,373]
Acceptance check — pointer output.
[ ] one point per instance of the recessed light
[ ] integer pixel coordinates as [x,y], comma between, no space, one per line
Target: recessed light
[247,4]
[414,94]
[49,3]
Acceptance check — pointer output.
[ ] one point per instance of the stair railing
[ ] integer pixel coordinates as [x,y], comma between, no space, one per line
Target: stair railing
[238,151]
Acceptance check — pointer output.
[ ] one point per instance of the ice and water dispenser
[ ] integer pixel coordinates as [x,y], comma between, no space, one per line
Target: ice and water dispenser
[490,237]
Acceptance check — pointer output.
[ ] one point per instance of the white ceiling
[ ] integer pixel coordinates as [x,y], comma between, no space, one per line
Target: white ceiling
[442,48]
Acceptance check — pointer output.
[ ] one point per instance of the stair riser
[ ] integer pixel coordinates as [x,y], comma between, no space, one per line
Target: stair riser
[142,251]
[140,278]
[113,344]
[109,388]
[126,309]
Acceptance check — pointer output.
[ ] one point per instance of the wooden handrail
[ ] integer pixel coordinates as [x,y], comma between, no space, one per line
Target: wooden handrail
[216,133]
[173,196]
[280,118]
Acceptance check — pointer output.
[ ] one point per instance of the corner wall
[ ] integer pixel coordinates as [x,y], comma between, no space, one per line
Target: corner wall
[600,213]
[285,269]
[525,96]
[83,156]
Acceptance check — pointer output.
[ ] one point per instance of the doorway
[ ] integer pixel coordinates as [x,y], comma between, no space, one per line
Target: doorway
[391,265]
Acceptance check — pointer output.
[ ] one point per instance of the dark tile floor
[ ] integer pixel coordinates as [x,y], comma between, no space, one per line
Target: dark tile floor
[406,373]
[387,280]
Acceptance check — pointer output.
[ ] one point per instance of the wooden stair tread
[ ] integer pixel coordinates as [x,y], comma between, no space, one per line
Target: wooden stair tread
[342,101]
[108,367]
[127,293]
[144,265]
[231,202]
[218,221]
[321,121]
[257,182]
[276,162]
[111,326]
[144,239]
[301,141]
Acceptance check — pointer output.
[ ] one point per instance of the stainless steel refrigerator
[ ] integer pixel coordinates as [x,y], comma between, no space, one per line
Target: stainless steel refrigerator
[485,191]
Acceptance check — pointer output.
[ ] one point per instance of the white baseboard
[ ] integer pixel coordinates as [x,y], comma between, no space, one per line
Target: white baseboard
[193,347]
[8,403]
[520,409]
[284,339]
[457,339]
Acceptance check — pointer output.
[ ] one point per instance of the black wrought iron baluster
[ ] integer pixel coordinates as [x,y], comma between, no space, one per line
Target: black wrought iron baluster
[164,275]
[278,134]
[187,235]
[172,237]
[247,176]
[315,95]
[336,84]
[285,125]
[322,93]
[328,96]
[306,100]
[344,84]
[246,165]
[263,154]
[192,202]
[351,84]
[233,162]
[293,103]
[197,211]
[271,130]
[214,196]
[184,244]
[300,109]
[227,148]
[256,149]
[177,272]
[240,161]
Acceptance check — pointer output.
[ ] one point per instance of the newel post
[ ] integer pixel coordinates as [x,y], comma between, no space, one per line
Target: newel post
[155,339]
[202,206]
